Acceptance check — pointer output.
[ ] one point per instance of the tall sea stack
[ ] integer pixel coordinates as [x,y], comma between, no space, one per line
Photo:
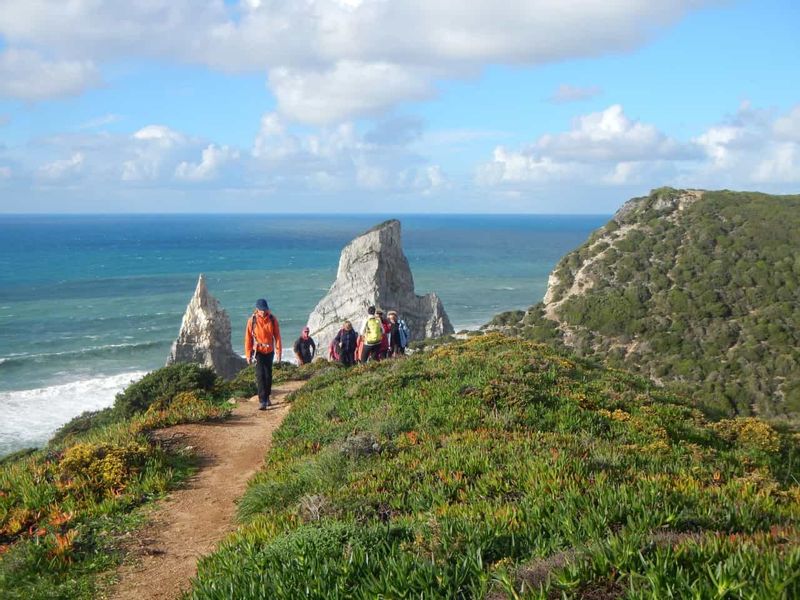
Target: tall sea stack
[374,271]
[205,336]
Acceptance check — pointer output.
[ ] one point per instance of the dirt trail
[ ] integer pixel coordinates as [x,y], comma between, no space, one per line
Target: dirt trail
[190,521]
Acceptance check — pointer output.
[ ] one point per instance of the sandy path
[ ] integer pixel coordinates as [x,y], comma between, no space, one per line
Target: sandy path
[190,521]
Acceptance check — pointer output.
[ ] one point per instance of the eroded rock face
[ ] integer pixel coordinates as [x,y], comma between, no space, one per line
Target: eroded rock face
[205,336]
[374,271]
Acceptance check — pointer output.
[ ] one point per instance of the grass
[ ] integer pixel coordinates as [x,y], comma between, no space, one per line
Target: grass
[497,468]
[64,508]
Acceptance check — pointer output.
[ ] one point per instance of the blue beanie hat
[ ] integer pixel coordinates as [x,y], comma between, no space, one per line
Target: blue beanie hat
[261,304]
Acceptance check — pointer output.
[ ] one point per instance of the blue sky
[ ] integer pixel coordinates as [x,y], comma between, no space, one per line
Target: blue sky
[392,105]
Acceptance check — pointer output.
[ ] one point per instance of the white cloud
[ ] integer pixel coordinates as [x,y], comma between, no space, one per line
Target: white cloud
[331,60]
[516,167]
[753,147]
[782,164]
[429,180]
[284,161]
[371,177]
[788,127]
[153,150]
[610,136]
[340,158]
[718,142]
[212,159]
[348,89]
[99,122]
[750,147]
[605,146]
[25,75]
[60,169]
[569,93]
[160,134]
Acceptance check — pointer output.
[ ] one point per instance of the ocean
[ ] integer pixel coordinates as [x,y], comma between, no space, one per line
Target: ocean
[90,303]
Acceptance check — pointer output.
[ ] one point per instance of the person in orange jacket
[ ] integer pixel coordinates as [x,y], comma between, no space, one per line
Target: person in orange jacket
[262,343]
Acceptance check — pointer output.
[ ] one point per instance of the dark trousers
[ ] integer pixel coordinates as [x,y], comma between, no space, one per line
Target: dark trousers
[373,350]
[347,357]
[264,375]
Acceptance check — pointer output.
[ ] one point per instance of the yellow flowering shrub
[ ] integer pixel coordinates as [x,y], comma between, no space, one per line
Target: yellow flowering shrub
[748,431]
[185,407]
[100,469]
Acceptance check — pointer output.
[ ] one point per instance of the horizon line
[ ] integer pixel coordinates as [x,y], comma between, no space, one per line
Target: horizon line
[299,214]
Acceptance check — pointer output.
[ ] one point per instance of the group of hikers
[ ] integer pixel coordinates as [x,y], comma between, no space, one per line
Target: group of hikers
[381,337]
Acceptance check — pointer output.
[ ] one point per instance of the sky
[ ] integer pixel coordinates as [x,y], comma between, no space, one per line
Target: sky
[392,106]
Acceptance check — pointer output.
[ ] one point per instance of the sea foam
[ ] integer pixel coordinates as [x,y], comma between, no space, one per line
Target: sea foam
[29,417]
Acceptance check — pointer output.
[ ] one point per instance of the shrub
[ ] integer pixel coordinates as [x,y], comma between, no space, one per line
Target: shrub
[749,432]
[163,384]
[241,386]
[714,284]
[84,422]
[185,407]
[100,469]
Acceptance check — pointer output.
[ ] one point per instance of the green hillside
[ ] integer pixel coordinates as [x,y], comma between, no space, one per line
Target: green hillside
[498,468]
[698,290]
[65,509]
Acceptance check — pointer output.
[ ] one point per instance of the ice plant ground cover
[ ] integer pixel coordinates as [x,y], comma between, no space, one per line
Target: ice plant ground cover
[63,509]
[497,467]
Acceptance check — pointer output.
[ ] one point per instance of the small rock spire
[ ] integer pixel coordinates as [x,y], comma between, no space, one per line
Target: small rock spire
[205,335]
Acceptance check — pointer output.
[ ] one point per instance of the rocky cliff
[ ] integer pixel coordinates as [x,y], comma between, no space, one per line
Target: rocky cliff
[374,271]
[205,335]
[699,290]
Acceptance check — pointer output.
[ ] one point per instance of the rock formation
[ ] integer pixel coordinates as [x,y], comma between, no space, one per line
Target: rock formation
[374,271]
[205,336]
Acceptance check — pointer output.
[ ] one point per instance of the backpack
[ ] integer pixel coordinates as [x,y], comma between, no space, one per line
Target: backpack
[374,331]
[254,351]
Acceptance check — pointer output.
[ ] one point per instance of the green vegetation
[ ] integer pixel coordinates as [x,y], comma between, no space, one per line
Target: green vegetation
[162,385]
[497,467]
[159,386]
[63,508]
[704,297]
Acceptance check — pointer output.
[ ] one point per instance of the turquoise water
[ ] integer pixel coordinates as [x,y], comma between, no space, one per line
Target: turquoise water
[88,303]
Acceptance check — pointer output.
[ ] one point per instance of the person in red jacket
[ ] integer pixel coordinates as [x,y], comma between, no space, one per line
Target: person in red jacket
[387,327]
[262,343]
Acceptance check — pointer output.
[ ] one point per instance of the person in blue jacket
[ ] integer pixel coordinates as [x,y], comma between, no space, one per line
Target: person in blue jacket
[398,335]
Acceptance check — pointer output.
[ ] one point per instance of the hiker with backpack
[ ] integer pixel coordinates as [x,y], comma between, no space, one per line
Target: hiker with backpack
[372,335]
[262,343]
[345,344]
[399,335]
[304,348]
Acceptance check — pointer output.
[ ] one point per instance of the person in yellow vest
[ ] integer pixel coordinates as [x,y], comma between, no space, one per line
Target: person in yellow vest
[372,334]
[262,343]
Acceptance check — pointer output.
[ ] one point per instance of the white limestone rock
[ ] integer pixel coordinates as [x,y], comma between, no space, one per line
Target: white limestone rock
[374,271]
[205,336]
